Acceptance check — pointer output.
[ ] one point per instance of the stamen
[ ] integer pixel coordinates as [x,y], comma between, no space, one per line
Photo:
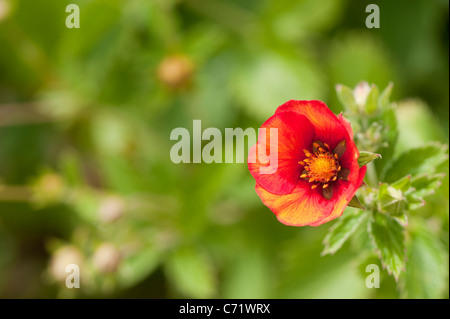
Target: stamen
[344,173]
[340,148]
[328,192]
[321,167]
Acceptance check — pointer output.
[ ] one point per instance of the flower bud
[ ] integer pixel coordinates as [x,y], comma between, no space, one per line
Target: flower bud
[106,258]
[5,9]
[48,188]
[63,257]
[111,208]
[175,71]
[361,92]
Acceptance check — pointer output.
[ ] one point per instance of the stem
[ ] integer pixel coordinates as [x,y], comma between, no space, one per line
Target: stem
[372,175]
[14,193]
[22,114]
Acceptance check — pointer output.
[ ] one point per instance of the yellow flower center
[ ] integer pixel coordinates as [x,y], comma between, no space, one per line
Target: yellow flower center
[322,166]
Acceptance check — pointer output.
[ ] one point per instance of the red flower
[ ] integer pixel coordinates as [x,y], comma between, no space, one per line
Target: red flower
[318,172]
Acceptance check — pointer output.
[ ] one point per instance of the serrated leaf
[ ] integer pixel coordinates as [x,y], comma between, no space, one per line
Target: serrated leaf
[389,238]
[345,96]
[396,208]
[416,161]
[402,219]
[367,157]
[342,230]
[427,267]
[426,184]
[360,240]
[356,203]
[412,199]
[402,195]
[403,184]
[191,273]
[414,202]
[426,180]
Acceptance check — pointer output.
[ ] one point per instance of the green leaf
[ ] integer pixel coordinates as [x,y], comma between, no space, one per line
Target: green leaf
[356,203]
[389,238]
[385,96]
[414,202]
[191,273]
[398,197]
[416,161]
[389,135]
[367,157]
[427,267]
[426,184]
[402,219]
[391,200]
[137,267]
[342,230]
[372,100]
[406,193]
[403,184]
[345,96]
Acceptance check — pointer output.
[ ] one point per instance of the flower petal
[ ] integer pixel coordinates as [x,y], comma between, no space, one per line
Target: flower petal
[346,125]
[295,133]
[328,128]
[302,207]
[305,206]
[339,207]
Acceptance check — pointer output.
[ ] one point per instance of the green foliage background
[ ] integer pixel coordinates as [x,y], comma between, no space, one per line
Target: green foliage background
[85,120]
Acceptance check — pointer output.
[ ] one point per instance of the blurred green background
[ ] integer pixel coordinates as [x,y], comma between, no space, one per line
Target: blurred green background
[85,120]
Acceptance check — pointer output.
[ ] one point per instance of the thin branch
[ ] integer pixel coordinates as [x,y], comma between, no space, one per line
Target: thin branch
[22,114]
